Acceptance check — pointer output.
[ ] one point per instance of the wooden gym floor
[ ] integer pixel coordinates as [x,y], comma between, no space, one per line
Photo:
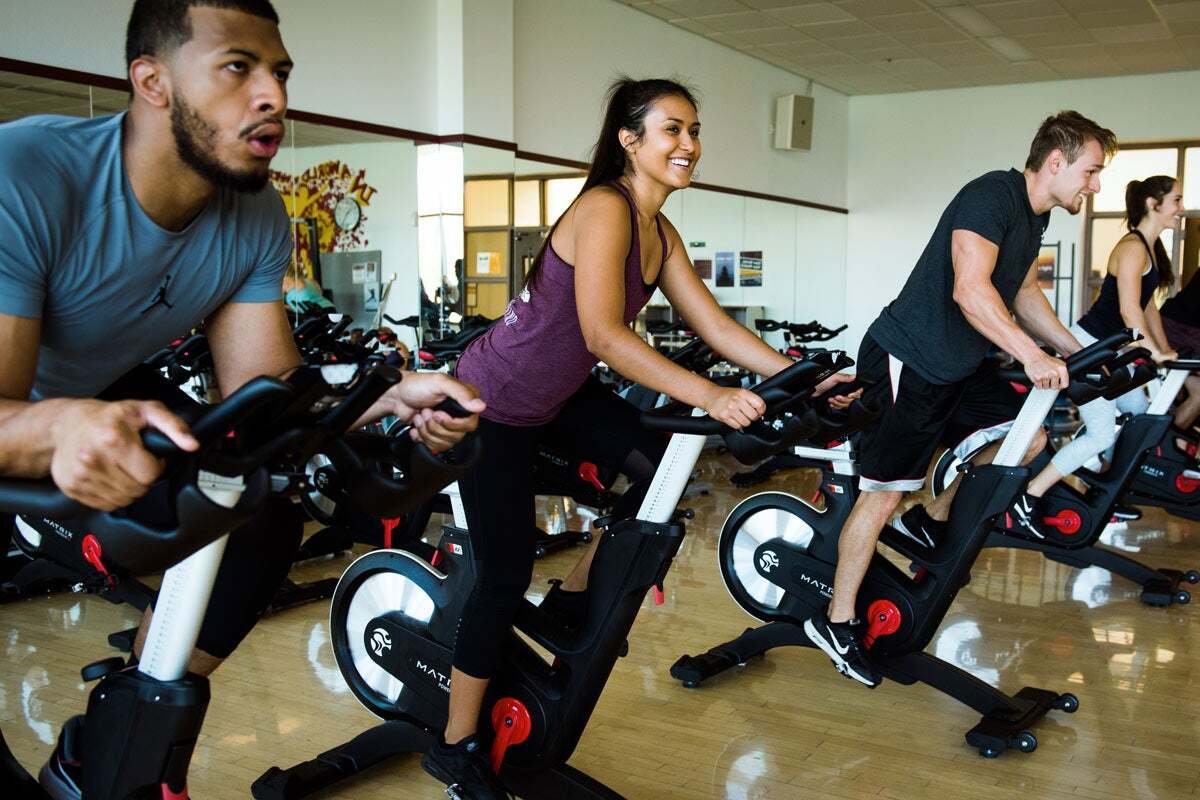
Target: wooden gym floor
[787,726]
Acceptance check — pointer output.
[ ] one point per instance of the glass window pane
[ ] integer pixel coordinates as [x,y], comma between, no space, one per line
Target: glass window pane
[1105,235]
[1128,165]
[527,204]
[1191,178]
[560,193]
[486,203]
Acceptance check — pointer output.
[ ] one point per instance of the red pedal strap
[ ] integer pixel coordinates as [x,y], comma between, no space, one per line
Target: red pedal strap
[167,794]
[659,596]
[93,554]
[389,525]
[511,722]
[883,618]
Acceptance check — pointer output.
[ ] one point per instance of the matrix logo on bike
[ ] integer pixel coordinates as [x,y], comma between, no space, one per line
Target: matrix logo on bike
[820,586]
[442,678]
[381,642]
[768,561]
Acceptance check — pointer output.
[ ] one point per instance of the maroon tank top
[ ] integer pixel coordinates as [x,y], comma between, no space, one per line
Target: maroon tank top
[528,364]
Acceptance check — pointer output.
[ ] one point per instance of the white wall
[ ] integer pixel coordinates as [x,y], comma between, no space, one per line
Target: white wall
[372,60]
[389,221]
[568,51]
[910,153]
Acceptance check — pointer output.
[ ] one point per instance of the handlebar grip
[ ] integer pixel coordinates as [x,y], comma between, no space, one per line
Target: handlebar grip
[158,444]
[453,408]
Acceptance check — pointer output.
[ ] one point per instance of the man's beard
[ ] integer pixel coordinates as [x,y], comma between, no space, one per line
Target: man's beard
[195,142]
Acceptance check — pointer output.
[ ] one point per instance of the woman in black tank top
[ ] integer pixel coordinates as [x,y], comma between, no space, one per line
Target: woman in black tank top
[1136,269]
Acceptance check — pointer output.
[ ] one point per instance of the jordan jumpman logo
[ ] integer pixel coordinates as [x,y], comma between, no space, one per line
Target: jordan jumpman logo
[161,297]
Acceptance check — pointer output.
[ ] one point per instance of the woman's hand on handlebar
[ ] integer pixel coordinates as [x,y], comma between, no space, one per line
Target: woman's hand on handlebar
[414,399]
[737,408]
[838,401]
[1048,372]
[1159,356]
[98,455]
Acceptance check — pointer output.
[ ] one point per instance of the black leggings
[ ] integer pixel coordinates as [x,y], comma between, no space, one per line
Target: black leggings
[259,553]
[499,503]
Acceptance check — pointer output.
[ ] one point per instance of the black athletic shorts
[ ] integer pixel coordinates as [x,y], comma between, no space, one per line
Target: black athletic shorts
[918,416]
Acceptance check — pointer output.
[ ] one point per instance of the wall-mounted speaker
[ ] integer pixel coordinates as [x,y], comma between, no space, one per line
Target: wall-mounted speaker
[793,122]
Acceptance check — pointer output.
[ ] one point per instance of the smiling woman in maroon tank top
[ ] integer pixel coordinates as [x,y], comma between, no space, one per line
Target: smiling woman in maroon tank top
[599,266]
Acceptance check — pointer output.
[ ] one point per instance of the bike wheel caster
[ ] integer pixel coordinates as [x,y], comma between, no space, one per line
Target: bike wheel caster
[586,538]
[624,651]
[539,552]
[1026,742]
[690,684]
[1067,703]
[1192,576]
[1183,597]
[990,752]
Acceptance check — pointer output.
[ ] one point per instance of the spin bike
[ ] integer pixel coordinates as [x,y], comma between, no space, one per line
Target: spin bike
[142,723]
[1073,521]
[778,553]
[394,617]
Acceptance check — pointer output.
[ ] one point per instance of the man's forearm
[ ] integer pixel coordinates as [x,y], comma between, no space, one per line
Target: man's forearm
[985,312]
[27,436]
[1037,317]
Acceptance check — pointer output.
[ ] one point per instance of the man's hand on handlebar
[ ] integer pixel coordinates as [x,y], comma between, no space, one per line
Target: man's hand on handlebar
[1048,372]
[98,455]
[838,401]
[737,408]
[413,401]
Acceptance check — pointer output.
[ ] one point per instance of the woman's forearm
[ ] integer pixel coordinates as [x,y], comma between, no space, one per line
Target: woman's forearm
[629,355]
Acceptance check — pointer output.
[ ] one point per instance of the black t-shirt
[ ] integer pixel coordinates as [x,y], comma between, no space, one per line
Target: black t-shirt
[923,326]
[1185,306]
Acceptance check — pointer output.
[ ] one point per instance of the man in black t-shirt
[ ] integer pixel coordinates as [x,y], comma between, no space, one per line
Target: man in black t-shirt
[924,355]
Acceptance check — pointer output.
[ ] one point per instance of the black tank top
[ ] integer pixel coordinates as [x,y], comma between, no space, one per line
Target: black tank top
[1104,317]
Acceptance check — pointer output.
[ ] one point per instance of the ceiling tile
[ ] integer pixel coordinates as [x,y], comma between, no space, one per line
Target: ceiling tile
[743,21]
[854,44]
[809,13]
[1035,40]
[702,8]
[838,30]
[794,49]
[1148,32]
[695,26]
[1060,23]
[827,60]
[912,67]
[921,38]
[662,12]
[867,9]
[884,84]
[908,22]
[1126,16]
[777,35]
[893,52]
[765,4]
[1147,60]
[730,39]
[1180,12]
[1084,6]
[1056,49]
[961,54]
[1020,9]
[1184,28]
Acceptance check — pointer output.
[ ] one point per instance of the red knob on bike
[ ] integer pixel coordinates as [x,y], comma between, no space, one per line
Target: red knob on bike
[389,525]
[93,554]
[1067,521]
[511,722]
[883,618]
[425,355]
[590,473]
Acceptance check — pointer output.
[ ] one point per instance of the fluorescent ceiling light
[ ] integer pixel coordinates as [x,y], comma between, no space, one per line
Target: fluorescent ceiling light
[1011,49]
[970,20]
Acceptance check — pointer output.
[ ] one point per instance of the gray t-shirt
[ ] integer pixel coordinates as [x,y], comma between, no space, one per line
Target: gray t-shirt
[924,327]
[110,286]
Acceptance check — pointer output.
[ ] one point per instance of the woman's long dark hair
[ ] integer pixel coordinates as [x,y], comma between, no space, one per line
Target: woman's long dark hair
[1136,195]
[627,105]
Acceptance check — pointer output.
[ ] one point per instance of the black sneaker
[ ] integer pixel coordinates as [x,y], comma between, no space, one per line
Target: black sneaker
[842,642]
[569,609]
[917,525]
[62,775]
[1022,517]
[1124,513]
[465,769]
